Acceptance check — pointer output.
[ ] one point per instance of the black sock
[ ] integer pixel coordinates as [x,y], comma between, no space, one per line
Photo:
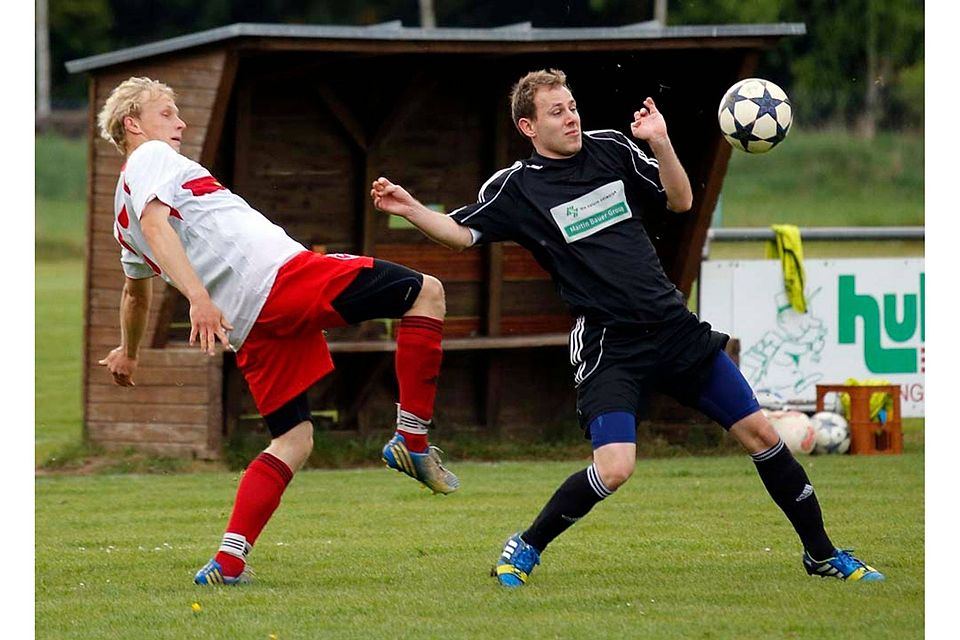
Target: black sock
[573,500]
[788,485]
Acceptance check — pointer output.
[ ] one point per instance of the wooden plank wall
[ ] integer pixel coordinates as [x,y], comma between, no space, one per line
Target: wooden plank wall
[176,407]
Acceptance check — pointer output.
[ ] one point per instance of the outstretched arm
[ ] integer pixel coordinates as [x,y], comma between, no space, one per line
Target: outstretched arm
[395,200]
[648,125]
[134,311]
[206,320]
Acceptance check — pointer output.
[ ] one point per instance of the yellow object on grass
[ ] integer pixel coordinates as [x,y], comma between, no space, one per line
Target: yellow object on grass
[879,400]
[787,246]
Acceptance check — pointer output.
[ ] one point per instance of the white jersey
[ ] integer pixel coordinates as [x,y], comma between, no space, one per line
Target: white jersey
[233,248]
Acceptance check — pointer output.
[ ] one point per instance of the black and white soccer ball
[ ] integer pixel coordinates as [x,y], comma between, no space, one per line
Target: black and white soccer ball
[755,115]
[832,434]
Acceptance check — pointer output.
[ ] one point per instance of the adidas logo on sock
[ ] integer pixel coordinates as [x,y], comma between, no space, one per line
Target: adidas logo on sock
[806,493]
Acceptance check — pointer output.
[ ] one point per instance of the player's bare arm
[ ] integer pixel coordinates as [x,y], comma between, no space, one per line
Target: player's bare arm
[206,320]
[393,199]
[648,125]
[134,311]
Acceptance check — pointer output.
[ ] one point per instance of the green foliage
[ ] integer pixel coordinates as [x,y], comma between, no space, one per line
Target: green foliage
[825,72]
[689,548]
[78,28]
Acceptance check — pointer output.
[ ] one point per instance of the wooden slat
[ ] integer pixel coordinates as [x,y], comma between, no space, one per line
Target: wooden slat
[519,264]
[440,262]
[143,412]
[169,449]
[460,344]
[150,375]
[149,393]
[130,431]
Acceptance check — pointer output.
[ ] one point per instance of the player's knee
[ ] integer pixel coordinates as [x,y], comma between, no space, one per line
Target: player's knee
[755,432]
[616,471]
[431,300]
[294,446]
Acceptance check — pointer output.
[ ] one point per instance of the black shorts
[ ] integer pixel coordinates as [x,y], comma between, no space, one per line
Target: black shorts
[386,290]
[616,368]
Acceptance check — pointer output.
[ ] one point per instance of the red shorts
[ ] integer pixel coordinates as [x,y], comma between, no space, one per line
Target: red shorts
[286,352]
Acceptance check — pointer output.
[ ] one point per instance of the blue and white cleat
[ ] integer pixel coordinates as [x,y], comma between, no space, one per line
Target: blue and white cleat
[212,573]
[425,467]
[843,565]
[516,562]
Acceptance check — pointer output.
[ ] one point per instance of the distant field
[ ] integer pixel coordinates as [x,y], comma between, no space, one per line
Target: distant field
[61,183]
[827,179]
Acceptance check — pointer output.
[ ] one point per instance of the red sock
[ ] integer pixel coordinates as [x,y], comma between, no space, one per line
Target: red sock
[258,496]
[418,367]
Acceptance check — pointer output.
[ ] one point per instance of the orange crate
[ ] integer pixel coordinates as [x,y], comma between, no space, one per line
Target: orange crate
[866,436]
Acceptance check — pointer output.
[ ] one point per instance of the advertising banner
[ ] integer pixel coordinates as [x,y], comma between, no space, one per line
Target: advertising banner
[864,320]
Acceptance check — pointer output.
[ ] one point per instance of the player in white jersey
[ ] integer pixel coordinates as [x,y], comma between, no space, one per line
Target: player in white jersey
[258,292]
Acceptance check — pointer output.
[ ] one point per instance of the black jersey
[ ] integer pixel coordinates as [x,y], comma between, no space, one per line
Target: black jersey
[582,218]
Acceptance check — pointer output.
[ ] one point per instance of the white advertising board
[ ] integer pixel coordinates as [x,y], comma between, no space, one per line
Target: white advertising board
[864,320]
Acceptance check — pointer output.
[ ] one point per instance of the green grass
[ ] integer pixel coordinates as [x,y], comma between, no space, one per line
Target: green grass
[690,548]
[58,335]
[828,178]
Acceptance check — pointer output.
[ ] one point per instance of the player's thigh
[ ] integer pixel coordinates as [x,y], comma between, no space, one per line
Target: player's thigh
[386,290]
[718,390]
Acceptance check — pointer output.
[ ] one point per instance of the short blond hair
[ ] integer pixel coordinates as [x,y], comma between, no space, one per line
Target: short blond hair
[525,90]
[127,99]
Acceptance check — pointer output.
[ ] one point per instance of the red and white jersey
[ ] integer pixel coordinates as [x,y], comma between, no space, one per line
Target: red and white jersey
[232,247]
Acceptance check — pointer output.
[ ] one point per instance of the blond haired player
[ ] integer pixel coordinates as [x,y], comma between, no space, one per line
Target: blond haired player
[257,291]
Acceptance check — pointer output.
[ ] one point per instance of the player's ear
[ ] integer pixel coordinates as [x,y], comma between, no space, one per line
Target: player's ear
[527,127]
[131,124]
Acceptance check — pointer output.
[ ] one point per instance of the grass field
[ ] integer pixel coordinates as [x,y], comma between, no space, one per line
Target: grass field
[690,548]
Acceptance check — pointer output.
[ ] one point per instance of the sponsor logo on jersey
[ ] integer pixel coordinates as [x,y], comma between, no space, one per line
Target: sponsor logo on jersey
[593,212]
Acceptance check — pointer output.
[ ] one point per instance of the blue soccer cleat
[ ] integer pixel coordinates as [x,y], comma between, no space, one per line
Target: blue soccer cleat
[212,573]
[516,562]
[843,565]
[423,467]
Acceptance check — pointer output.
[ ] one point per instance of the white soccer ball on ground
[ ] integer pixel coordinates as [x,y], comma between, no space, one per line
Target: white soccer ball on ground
[832,433]
[795,429]
[755,115]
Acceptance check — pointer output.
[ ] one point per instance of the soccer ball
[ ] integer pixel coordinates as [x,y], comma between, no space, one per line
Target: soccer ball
[795,429]
[755,115]
[832,433]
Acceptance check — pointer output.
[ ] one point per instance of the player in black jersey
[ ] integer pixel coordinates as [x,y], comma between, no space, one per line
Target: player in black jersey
[578,204]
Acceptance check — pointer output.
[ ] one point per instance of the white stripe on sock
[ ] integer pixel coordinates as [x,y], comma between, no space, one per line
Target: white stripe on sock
[769,453]
[235,544]
[411,423]
[593,477]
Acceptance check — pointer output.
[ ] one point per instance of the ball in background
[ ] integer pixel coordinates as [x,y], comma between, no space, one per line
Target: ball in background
[755,115]
[795,429]
[832,433]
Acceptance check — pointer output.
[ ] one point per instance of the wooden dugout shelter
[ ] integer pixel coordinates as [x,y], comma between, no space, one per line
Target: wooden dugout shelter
[298,120]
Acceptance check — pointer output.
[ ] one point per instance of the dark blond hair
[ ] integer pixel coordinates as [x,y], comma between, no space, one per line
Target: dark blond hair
[525,90]
[127,99]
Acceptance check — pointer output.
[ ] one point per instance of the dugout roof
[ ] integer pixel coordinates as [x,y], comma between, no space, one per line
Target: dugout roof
[416,37]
